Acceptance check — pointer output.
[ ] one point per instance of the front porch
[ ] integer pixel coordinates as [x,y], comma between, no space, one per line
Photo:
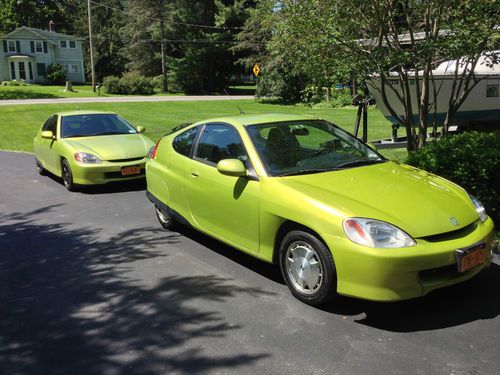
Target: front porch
[21,68]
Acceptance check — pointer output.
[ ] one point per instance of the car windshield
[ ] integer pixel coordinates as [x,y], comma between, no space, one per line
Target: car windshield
[309,146]
[94,125]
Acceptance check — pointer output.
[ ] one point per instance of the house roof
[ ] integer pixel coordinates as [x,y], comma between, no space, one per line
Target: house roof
[50,36]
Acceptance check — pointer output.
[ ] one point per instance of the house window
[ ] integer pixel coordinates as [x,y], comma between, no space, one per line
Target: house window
[39,47]
[73,68]
[492,91]
[30,70]
[12,70]
[63,44]
[12,46]
[22,70]
[72,44]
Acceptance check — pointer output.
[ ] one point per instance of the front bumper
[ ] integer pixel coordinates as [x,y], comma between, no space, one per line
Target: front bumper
[94,174]
[398,274]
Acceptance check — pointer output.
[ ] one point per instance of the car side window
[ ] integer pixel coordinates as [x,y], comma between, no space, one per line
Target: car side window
[51,124]
[218,142]
[184,141]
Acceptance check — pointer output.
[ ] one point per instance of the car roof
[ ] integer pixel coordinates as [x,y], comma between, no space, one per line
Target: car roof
[252,119]
[87,112]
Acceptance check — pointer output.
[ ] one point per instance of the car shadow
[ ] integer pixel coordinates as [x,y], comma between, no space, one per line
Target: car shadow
[109,188]
[455,305]
[260,267]
[475,299]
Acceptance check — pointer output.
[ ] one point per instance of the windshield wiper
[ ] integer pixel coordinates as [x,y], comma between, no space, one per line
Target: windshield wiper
[305,171]
[111,133]
[358,163]
[77,135]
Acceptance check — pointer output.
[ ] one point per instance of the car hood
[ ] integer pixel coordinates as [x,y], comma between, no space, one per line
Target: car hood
[113,147]
[416,201]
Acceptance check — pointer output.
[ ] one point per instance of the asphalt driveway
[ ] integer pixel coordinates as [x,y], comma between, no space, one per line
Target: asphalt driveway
[91,284]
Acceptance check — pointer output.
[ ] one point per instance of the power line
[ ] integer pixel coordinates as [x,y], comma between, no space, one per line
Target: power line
[170,22]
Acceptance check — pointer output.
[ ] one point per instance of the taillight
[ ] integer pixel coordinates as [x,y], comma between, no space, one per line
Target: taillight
[152,152]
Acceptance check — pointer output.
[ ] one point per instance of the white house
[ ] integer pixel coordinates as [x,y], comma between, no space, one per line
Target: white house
[25,54]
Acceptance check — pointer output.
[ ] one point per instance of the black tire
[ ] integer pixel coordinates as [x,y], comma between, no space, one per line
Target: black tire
[41,170]
[305,259]
[67,176]
[166,220]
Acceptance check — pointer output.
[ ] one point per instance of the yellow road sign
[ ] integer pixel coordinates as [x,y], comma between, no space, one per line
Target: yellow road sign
[256,69]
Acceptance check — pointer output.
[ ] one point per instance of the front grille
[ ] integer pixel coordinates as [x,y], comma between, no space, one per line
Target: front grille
[125,160]
[119,174]
[459,233]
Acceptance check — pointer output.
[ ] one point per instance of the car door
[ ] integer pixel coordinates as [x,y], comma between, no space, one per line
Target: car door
[223,205]
[45,152]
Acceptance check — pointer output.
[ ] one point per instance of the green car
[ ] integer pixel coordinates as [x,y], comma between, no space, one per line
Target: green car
[332,212]
[87,148]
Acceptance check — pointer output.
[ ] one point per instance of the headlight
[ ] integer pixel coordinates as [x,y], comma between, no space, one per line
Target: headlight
[375,233]
[479,208]
[85,158]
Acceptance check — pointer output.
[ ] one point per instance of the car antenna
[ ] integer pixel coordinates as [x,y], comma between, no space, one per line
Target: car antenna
[239,109]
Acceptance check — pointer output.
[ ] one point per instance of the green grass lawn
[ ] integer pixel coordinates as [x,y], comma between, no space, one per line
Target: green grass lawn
[19,124]
[80,91]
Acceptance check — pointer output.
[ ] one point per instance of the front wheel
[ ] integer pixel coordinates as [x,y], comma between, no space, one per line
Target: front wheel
[166,220]
[67,176]
[308,268]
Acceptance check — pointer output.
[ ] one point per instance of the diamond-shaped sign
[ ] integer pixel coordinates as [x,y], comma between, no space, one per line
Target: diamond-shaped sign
[256,69]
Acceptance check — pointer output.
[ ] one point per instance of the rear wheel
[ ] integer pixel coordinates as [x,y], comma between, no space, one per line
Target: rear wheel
[308,268]
[67,176]
[166,220]
[41,170]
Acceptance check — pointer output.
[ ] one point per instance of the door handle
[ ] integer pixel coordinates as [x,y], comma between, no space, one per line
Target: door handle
[194,174]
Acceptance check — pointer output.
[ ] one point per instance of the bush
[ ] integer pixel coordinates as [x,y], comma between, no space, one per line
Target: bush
[279,84]
[56,74]
[129,84]
[13,83]
[472,160]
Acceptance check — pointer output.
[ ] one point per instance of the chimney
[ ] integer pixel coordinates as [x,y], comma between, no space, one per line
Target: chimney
[52,26]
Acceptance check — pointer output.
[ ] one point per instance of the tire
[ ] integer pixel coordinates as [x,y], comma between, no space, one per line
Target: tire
[308,268]
[167,221]
[41,170]
[67,176]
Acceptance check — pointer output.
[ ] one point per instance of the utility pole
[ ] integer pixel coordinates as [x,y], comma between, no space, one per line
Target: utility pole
[162,44]
[91,47]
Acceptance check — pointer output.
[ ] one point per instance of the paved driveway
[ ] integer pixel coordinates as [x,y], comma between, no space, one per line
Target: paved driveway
[91,284]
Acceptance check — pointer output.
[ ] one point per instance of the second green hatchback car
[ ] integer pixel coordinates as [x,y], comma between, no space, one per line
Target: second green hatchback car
[86,148]
[333,213]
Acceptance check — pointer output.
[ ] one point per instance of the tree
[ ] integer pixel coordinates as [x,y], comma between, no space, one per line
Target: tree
[403,39]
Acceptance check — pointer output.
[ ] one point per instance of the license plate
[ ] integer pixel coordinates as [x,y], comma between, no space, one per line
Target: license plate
[470,257]
[127,171]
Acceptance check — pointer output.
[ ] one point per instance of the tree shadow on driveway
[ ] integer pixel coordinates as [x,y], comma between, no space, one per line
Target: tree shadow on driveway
[70,304]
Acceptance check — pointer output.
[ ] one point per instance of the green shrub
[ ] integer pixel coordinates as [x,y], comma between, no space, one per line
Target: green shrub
[13,83]
[129,84]
[56,74]
[472,160]
[280,85]
[112,84]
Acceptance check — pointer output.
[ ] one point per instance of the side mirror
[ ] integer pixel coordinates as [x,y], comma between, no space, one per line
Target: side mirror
[232,167]
[141,129]
[47,134]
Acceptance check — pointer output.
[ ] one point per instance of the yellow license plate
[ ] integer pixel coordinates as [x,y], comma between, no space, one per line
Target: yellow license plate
[127,171]
[471,257]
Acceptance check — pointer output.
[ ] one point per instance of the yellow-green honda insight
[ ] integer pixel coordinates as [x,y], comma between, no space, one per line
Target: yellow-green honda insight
[333,213]
[86,148]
